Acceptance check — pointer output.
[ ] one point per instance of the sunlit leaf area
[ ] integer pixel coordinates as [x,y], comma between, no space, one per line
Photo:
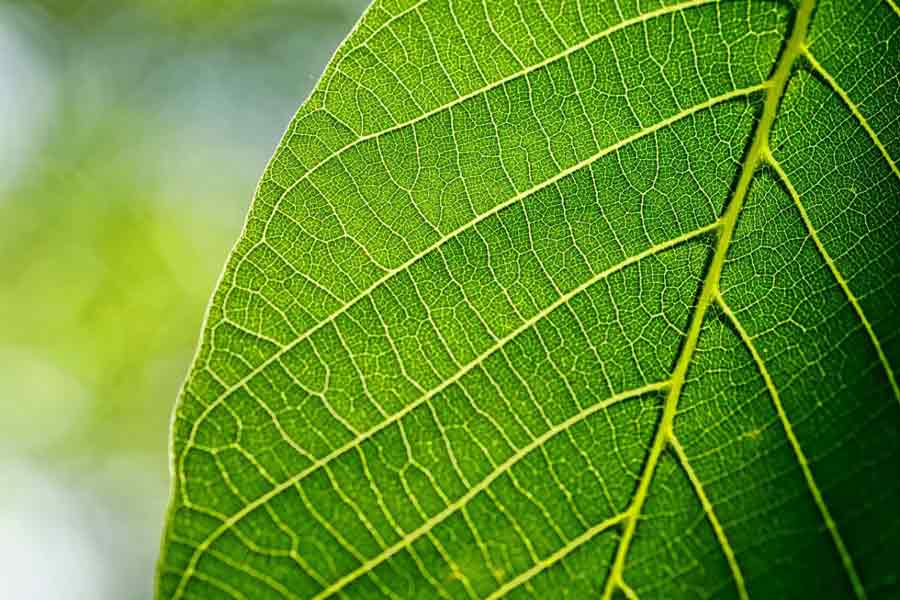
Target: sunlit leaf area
[132,135]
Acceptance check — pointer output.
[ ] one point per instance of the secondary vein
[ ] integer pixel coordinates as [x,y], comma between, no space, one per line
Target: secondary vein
[483,485]
[711,516]
[228,523]
[838,276]
[854,109]
[846,559]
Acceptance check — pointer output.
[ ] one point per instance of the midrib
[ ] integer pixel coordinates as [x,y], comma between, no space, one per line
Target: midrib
[757,154]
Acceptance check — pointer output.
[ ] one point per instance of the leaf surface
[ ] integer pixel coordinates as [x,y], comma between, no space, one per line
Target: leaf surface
[562,299]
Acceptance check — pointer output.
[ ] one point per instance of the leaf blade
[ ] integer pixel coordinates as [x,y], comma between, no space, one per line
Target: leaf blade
[377,302]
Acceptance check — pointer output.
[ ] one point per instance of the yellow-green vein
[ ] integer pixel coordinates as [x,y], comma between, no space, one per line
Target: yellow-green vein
[557,556]
[838,276]
[755,155]
[798,450]
[396,417]
[854,109]
[711,516]
[483,485]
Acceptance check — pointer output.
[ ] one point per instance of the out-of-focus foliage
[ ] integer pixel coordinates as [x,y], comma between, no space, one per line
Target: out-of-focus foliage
[127,156]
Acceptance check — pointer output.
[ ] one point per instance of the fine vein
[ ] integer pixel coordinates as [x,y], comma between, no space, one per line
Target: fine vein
[456,232]
[539,441]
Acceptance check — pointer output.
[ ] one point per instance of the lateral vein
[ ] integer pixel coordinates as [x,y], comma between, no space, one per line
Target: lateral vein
[484,89]
[846,560]
[711,516]
[854,109]
[838,276]
[476,489]
[354,443]
[560,554]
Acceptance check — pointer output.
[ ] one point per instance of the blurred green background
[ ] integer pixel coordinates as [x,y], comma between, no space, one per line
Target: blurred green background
[132,135]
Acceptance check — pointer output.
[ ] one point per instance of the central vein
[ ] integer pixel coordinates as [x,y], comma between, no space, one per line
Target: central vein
[757,154]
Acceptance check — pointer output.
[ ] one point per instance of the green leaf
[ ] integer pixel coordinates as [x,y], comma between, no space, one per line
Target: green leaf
[560,299]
